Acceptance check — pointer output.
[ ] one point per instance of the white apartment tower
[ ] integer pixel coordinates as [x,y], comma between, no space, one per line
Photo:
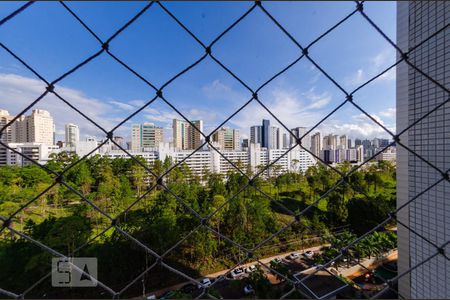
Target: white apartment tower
[316,144]
[6,137]
[35,128]
[5,118]
[343,142]
[428,215]
[186,136]
[72,135]
[330,142]
[274,138]
[298,133]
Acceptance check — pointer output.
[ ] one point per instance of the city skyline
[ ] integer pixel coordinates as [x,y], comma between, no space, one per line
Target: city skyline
[73,134]
[302,96]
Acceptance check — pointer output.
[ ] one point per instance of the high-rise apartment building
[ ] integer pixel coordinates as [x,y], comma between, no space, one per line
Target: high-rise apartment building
[146,135]
[343,141]
[227,138]
[5,118]
[316,144]
[120,142]
[428,215]
[35,128]
[6,137]
[256,134]
[299,132]
[72,135]
[265,136]
[186,136]
[330,142]
[274,138]
[285,141]
[244,143]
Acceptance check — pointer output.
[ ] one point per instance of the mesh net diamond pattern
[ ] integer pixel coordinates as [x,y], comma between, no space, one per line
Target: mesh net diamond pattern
[306,53]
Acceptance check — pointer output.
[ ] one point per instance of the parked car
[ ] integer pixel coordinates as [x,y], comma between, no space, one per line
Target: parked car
[151,297]
[250,269]
[309,254]
[204,283]
[248,289]
[238,272]
[293,255]
[276,260]
[166,295]
[188,288]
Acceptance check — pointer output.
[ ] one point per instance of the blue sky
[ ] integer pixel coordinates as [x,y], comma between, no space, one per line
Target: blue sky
[48,38]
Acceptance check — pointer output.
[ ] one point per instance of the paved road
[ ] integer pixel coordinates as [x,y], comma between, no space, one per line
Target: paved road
[292,264]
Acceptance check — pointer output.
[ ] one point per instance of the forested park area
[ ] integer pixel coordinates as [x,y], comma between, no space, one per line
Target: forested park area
[168,218]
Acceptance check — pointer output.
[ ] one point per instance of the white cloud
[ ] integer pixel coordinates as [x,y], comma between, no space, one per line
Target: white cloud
[19,91]
[317,101]
[161,116]
[292,108]
[360,126]
[307,109]
[215,88]
[137,103]
[373,67]
[122,105]
[388,113]
[208,116]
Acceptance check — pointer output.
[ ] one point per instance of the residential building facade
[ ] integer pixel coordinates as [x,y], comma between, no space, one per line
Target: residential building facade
[146,135]
[227,138]
[72,135]
[35,128]
[428,215]
[186,136]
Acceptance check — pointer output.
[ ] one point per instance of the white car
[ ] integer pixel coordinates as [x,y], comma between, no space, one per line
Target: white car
[248,289]
[276,260]
[151,297]
[309,254]
[204,283]
[250,269]
[238,272]
[294,255]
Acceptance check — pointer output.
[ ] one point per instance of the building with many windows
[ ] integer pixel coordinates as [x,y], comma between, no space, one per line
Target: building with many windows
[330,142]
[256,134]
[265,135]
[146,135]
[220,162]
[298,133]
[6,136]
[390,154]
[275,141]
[316,144]
[426,214]
[72,135]
[5,118]
[38,152]
[227,139]
[35,128]
[186,136]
